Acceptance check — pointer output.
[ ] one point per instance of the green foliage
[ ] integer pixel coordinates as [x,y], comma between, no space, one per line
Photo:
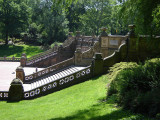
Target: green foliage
[13,17]
[137,87]
[48,22]
[73,13]
[84,101]
[156,19]
[114,71]
[143,14]
[55,43]
[96,16]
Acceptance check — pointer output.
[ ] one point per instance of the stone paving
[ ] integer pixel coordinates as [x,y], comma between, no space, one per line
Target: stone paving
[8,73]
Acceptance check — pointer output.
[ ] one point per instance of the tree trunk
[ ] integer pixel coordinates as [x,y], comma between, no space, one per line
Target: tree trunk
[6,39]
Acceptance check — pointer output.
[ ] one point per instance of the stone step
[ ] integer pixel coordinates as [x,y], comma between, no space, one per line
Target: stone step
[53,77]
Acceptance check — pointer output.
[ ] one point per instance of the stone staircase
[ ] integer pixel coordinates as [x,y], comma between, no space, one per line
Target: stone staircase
[59,79]
[52,77]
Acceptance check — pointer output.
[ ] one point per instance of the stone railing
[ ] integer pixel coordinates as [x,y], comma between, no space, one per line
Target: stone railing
[53,68]
[54,52]
[90,52]
[41,54]
[68,41]
[85,58]
[41,57]
[10,59]
[4,95]
[60,83]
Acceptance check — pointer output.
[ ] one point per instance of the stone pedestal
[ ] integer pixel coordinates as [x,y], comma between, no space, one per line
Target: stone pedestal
[70,34]
[20,73]
[78,33]
[133,44]
[60,49]
[98,64]
[16,90]
[24,54]
[78,56]
[23,61]
[55,47]
[104,43]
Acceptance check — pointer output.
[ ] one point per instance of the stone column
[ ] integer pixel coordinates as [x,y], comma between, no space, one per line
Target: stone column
[104,43]
[23,60]
[78,33]
[16,90]
[60,49]
[70,34]
[132,44]
[132,36]
[98,64]
[78,38]
[60,53]
[78,56]
[20,73]
[55,47]
[13,58]
[24,54]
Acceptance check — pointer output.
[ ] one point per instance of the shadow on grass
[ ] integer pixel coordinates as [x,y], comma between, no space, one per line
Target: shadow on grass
[16,51]
[7,50]
[95,110]
[99,111]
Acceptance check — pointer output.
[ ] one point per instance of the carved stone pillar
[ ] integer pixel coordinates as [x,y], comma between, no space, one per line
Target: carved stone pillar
[78,56]
[16,90]
[23,61]
[20,73]
[98,64]
[104,43]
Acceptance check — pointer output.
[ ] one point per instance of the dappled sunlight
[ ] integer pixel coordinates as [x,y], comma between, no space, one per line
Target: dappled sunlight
[100,111]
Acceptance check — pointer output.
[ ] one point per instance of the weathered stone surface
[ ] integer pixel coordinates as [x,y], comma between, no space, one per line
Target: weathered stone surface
[20,73]
[16,90]
[98,64]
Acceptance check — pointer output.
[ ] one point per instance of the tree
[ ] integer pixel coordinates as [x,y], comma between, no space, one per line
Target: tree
[97,15]
[142,13]
[73,12]
[13,17]
[48,23]
[118,26]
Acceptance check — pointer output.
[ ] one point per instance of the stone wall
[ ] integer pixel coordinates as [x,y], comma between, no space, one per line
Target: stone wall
[135,49]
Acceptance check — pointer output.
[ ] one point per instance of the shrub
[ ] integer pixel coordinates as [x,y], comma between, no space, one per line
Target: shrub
[137,88]
[114,71]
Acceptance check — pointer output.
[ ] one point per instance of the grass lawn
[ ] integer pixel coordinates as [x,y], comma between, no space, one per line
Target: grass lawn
[84,101]
[17,50]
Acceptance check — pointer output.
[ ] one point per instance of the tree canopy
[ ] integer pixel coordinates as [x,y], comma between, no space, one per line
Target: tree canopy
[13,17]
[47,21]
[143,13]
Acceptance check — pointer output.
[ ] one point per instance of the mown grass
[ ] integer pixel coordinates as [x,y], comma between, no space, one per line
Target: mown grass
[17,50]
[84,101]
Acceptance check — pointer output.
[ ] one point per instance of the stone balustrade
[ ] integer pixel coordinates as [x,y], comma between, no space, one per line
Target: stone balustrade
[10,59]
[60,83]
[40,58]
[53,68]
